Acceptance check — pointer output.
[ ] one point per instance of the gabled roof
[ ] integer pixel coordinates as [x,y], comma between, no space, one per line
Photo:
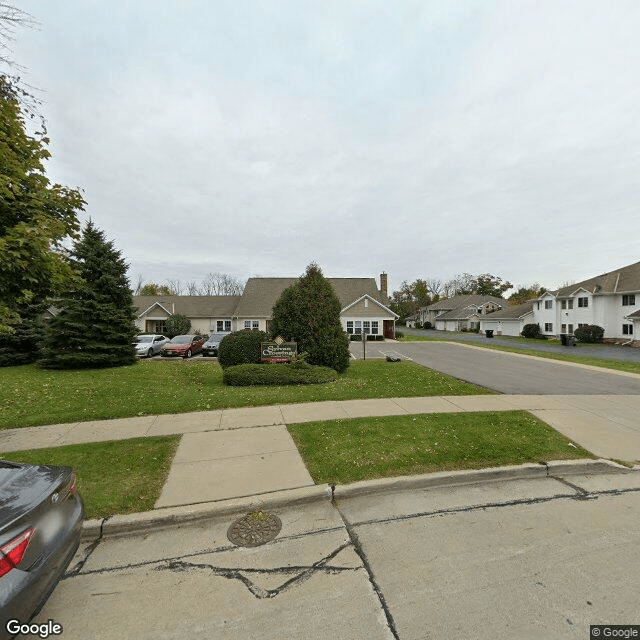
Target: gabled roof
[461,313]
[511,313]
[456,302]
[376,302]
[634,315]
[190,306]
[261,294]
[623,280]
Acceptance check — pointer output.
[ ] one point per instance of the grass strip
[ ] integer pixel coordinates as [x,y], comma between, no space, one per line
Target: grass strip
[30,396]
[115,477]
[342,451]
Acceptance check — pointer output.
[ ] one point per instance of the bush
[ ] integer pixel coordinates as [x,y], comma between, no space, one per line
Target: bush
[245,375]
[427,325]
[399,335]
[355,337]
[241,347]
[589,333]
[379,337]
[531,331]
[418,325]
[177,325]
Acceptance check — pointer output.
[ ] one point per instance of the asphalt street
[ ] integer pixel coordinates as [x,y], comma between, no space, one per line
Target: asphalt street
[505,372]
[527,558]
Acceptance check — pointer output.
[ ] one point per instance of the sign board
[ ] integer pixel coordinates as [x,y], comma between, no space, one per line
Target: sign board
[278,351]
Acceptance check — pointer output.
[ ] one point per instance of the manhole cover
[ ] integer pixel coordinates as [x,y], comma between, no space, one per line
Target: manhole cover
[254,529]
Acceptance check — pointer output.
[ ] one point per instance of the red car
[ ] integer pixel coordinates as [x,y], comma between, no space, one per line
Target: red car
[183,346]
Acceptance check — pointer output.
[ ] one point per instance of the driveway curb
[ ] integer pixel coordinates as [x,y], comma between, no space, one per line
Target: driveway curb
[148,521]
[475,476]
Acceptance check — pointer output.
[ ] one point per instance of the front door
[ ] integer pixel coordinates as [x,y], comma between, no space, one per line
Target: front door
[388,328]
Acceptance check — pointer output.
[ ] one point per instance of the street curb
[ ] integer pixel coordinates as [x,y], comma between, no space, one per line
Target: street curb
[159,518]
[148,521]
[475,476]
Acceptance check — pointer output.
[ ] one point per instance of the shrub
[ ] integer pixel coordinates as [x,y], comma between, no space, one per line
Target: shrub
[308,312]
[530,331]
[589,333]
[399,335]
[379,337]
[177,325]
[355,337]
[241,347]
[244,375]
[418,325]
[427,325]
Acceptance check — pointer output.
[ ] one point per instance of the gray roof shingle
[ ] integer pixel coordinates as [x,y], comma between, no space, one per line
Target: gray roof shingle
[625,279]
[191,306]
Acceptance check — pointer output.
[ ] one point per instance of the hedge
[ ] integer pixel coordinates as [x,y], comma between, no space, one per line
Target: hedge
[589,333]
[244,375]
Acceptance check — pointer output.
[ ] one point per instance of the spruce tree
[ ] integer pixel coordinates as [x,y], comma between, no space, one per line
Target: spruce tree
[308,312]
[95,326]
[23,346]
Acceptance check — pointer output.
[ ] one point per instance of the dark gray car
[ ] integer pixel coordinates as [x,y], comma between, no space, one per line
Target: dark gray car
[41,516]
[210,347]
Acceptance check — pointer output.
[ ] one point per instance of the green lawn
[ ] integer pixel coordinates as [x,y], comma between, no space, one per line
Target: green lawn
[31,396]
[342,451]
[124,476]
[591,359]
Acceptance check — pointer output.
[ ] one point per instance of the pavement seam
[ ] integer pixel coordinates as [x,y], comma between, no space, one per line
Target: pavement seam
[496,505]
[244,455]
[358,548]
[88,551]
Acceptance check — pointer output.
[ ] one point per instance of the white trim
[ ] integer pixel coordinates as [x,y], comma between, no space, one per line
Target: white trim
[155,304]
[366,295]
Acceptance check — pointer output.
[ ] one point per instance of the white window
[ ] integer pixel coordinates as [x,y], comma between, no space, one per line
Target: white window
[251,324]
[583,302]
[570,328]
[564,304]
[349,326]
[548,304]
[548,327]
[627,329]
[374,327]
[366,326]
[629,300]
[570,305]
[223,325]
[563,327]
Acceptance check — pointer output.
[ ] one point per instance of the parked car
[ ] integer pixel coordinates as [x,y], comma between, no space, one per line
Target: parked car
[40,526]
[183,346]
[150,345]
[210,347]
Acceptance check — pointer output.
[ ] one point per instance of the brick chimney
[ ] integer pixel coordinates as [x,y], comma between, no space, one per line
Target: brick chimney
[383,284]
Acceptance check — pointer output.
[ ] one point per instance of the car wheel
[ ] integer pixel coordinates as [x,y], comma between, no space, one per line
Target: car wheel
[150,353]
[188,355]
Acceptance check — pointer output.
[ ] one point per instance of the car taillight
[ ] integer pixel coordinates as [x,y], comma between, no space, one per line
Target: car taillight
[72,484]
[11,554]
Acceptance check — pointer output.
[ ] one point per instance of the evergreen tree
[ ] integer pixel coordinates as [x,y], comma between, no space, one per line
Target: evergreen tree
[95,327]
[308,312]
[24,344]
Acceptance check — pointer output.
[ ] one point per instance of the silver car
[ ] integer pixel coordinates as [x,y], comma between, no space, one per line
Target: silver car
[149,345]
[210,347]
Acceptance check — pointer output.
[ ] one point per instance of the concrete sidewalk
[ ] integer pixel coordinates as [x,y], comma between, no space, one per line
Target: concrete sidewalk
[233,453]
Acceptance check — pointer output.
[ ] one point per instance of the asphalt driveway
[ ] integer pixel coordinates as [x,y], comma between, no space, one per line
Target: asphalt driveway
[506,372]
[604,351]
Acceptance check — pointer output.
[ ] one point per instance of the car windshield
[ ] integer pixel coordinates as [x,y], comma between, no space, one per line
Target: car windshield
[216,337]
[181,340]
[145,338]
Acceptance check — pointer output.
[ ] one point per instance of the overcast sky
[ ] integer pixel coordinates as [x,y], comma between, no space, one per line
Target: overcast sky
[420,138]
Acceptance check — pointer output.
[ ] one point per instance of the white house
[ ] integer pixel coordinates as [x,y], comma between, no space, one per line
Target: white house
[610,300]
[508,321]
